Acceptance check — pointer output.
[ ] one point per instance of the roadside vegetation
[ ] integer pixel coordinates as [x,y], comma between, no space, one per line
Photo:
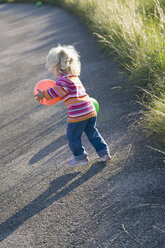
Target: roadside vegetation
[133,31]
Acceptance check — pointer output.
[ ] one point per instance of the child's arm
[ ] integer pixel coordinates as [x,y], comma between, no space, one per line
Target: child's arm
[51,93]
[56,91]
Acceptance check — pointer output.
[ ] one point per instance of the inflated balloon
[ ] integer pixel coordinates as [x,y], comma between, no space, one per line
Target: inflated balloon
[46,84]
[95,103]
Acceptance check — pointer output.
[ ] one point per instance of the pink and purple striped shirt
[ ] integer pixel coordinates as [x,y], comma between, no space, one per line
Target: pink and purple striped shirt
[72,92]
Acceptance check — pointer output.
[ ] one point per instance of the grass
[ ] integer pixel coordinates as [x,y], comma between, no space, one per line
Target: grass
[133,31]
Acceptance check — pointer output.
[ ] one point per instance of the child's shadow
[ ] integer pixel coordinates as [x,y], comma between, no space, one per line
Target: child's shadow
[47,198]
[52,147]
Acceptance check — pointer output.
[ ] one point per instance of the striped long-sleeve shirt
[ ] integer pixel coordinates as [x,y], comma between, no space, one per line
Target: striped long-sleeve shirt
[72,92]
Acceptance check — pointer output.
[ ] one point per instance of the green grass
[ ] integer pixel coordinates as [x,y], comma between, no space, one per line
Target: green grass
[133,31]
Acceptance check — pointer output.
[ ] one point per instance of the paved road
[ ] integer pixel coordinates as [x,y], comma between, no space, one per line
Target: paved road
[43,202]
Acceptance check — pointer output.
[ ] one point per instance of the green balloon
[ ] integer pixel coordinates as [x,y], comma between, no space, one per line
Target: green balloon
[38,4]
[95,103]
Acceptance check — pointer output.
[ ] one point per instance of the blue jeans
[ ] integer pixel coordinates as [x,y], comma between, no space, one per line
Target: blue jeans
[74,133]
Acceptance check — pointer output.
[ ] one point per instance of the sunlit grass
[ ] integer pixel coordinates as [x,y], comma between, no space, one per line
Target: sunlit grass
[154,118]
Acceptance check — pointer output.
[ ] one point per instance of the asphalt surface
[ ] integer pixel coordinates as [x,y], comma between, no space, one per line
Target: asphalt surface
[44,202]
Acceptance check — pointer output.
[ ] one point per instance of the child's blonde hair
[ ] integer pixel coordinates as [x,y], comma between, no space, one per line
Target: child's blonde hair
[64,59]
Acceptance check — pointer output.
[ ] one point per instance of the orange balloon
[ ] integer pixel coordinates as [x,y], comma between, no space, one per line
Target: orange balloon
[46,84]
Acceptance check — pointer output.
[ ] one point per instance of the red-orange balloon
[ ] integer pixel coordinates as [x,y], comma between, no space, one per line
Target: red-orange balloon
[46,84]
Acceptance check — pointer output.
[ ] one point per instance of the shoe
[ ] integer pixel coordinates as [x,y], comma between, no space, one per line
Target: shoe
[104,158]
[74,163]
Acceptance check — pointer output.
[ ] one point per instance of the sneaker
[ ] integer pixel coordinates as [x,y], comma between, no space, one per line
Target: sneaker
[74,163]
[104,158]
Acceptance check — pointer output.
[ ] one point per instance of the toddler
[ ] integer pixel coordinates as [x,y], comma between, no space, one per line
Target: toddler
[64,63]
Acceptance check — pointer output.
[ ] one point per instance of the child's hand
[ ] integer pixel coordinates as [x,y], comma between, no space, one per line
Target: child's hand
[39,96]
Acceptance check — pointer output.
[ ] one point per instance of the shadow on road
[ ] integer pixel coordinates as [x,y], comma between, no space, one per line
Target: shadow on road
[47,198]
[55,145]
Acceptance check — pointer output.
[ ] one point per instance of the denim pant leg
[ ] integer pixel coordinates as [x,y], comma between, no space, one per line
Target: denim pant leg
[95,138]
[74,133]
